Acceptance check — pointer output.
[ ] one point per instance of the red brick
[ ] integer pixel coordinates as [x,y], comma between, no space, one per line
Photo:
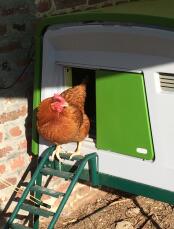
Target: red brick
[17,163]
[45,197]
[56,203]
[5,150]
[19,27]
[102,2]
[22,62]
[63,4]
[63,186]
[11,181]
[19,193]
[2,169]
[5,117]
[1,136]
[15,131]
[43,6]
[2,185]
[10,47]
[3,29]
[7,12]
[23,144]
[95,1]
[23,9]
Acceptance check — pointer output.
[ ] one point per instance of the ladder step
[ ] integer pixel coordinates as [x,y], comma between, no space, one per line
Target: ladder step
[36,210]
[47,191]
[57,173]
[18,226]
[68,155]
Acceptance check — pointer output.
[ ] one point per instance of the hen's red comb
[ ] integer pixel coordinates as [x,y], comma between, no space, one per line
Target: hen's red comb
[56,96]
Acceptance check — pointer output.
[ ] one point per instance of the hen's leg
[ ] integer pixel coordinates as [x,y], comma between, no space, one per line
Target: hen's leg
[56,153]
[77,151]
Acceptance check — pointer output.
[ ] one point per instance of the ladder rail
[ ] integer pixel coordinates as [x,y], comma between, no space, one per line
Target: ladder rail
[48,152]
[88,158]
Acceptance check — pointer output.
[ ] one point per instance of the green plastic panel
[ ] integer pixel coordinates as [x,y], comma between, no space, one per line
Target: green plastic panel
[123,124]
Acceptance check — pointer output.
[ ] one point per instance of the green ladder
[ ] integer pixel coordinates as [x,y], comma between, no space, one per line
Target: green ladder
[45,167]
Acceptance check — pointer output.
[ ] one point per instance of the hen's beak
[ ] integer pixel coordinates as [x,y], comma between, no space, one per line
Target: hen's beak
[65,104]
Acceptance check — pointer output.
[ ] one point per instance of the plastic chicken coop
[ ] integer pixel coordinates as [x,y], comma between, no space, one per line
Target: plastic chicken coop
[128,54]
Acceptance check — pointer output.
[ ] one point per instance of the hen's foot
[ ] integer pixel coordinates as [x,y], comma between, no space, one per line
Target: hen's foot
[76,153]
[56,153]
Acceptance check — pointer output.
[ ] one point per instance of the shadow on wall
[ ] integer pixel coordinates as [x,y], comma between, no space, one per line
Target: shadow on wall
[2,220]
[16,46]
[16,62]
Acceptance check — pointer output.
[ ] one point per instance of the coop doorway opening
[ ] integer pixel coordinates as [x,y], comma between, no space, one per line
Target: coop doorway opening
[76,76]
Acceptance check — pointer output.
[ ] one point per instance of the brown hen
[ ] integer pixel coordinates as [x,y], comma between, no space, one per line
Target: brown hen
[61,119]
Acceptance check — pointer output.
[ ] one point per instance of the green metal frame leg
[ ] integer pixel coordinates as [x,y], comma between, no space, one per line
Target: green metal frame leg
[38,196]
[93,171]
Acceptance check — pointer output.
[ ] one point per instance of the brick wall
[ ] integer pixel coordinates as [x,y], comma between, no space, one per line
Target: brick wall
[17,20]
[53,7]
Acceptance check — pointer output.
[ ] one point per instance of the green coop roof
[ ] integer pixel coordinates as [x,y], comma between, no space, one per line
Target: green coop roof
[157,8]
[154,12]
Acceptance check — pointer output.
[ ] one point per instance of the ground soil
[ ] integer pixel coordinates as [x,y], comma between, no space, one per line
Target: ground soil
[116,210]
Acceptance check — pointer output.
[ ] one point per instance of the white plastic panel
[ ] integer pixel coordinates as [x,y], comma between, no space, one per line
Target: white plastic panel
[136,49]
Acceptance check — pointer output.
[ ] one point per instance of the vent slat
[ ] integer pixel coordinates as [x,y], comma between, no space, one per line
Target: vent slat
[166,81]
[167,85]
[168,89]
[166,77]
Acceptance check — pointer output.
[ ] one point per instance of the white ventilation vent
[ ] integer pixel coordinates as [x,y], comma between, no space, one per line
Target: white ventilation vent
[166,81]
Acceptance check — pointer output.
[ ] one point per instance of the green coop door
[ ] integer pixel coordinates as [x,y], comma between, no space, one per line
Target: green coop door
[122,115]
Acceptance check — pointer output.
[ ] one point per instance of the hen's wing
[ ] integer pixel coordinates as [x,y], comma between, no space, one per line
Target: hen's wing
[76,96]
[84,129]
